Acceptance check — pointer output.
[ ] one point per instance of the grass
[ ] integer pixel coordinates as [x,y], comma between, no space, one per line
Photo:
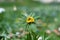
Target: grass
[10,17]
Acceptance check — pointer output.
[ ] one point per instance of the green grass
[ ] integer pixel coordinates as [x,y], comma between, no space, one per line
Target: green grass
[10,16]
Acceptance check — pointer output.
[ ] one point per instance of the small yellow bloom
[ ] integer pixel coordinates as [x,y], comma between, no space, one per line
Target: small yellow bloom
[30,19]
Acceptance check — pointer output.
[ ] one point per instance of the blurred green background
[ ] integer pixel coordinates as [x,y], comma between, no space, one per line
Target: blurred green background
[13,25]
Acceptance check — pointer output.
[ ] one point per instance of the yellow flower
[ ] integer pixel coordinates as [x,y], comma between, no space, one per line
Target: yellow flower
[30,19]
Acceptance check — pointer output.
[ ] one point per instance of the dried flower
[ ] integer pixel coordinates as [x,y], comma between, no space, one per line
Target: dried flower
[56,32]
[14,8]
[40,38]
[59,29]
[21,29]
[48,31]
[2,10]
[17,33]
[11,35]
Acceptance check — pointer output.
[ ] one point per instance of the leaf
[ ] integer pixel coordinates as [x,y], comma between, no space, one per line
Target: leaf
[33,27]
